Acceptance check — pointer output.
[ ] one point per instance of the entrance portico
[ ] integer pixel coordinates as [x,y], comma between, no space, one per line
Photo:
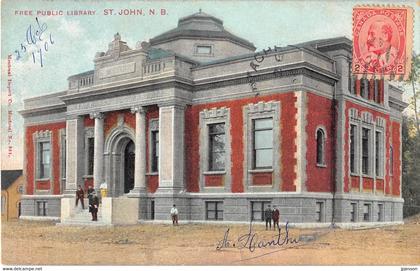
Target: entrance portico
[120,159]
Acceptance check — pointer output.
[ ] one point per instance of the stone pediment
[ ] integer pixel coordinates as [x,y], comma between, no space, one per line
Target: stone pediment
[117,46]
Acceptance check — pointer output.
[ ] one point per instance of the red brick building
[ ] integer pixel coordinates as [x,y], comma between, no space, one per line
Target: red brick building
[197,118]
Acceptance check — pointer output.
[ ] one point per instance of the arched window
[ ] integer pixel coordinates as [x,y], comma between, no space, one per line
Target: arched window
[320,147]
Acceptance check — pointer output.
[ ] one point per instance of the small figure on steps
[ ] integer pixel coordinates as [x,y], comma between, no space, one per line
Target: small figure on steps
[80,195]
[93,206]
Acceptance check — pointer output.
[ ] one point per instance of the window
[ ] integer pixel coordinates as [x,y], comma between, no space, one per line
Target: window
[155,151]
[378,152]
[152,210]
[19,208]
[380,212]
[91,148]
[319,211]
[214,210]
[353,133]
[41,208]
[217,147]
[392,212]
[20,189]
[375,91]
[263,143]
[365,150]
[364,88]
[203,50]
[351,80]
[391,160]
[63,157]
[366,212]
[353,212]
[257,210]
[44,160]
[3,205]
[320,147]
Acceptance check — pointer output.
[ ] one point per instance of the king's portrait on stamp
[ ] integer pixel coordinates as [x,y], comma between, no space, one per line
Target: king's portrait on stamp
[382,40]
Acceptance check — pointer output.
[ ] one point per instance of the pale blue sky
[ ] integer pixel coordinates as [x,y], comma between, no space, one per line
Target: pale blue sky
[78,38]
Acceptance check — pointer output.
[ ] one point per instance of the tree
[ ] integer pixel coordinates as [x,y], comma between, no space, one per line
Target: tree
[410,166]
[413,81]
[411,145]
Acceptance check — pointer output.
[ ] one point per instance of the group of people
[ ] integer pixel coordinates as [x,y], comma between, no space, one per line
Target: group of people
[271,214]
[93,201]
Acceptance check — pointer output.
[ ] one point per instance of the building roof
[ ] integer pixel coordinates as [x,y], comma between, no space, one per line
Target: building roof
[200,25]
[328,44]
[8,177]
[317,46]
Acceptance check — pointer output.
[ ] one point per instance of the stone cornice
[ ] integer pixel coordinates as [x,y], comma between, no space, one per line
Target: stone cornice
[364,102]
[302,68]
[397,104]
[44,110]
[126,89]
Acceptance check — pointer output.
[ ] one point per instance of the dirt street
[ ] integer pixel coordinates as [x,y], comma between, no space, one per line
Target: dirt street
[43,243]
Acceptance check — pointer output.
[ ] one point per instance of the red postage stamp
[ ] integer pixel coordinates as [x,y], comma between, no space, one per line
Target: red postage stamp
[382,41]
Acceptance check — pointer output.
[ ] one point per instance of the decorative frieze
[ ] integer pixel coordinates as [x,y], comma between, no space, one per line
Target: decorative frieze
[354,115]
[367,117]
[380,122]
[43,134]
[263,107]
[214,113]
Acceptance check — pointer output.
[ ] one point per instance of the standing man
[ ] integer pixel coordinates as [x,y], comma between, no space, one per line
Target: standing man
[174,215]
[276,218]
[89,194]
[93,208]
[80,195]
[268,214]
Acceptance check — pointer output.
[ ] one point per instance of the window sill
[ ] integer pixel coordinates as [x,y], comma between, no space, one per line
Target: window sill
[261,186]
[264,170]
[214,172]
[87,176]
[42,179]
[152,174]
[355,174]
[321,165]
[367,176]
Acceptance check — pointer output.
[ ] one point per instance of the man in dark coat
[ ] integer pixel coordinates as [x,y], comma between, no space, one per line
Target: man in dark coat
[276,218]
[93,206]
[89,192]
[80,195]
[267,216]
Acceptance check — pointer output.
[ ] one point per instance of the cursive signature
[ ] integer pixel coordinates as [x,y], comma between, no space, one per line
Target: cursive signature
[36,42]
[251,240]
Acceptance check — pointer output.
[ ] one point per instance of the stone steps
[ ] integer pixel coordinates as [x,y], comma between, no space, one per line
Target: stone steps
[82,217]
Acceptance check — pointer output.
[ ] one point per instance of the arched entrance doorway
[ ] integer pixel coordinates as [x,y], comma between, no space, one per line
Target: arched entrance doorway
[129,157]
[119,161]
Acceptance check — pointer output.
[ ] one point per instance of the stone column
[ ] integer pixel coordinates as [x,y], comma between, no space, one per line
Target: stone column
[74,151]
[171,154]
[98,155]
[74,164]
[140,148]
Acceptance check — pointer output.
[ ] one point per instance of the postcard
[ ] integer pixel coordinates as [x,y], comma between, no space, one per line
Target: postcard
[202,133]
